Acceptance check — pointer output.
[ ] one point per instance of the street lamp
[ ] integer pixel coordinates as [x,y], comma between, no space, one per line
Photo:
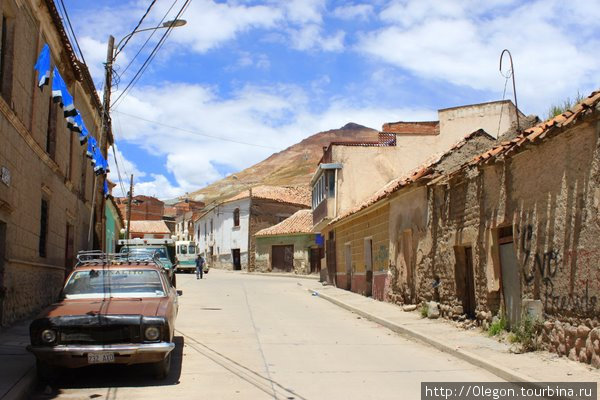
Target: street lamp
[111,55]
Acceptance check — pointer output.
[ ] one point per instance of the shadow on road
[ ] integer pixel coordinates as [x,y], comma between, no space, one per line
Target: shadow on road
[108,378]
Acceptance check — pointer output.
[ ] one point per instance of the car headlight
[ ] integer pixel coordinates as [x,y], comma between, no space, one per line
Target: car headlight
[152,333]
[48,336]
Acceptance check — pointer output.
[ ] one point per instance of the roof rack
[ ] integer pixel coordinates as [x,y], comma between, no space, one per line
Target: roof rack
[88,257]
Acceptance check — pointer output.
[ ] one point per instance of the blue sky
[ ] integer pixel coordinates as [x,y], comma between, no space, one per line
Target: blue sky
[244,79]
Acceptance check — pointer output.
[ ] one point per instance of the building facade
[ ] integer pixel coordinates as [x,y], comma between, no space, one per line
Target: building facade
[47,180]
[225,232]
[143,208]
[289,246]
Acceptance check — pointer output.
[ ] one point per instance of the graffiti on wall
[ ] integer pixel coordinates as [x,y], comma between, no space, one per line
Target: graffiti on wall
[585,272]
[546,263]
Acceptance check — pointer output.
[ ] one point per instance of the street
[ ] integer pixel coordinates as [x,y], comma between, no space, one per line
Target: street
[245,336]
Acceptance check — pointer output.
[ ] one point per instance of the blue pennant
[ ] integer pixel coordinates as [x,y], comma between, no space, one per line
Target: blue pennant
[42,66]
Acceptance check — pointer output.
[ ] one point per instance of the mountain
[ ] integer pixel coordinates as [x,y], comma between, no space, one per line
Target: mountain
[293,166]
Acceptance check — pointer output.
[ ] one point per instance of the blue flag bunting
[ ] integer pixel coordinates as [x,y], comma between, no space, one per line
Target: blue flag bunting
[42,66]
[91,146]
[61,95]
[106,192]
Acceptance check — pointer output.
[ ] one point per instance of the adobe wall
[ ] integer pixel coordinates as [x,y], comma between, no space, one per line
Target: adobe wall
[373,225]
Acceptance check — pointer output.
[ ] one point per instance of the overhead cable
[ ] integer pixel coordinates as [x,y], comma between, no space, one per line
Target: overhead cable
[136,27]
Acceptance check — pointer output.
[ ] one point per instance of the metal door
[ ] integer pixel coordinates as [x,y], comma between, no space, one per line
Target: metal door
[511,284]
[283,258]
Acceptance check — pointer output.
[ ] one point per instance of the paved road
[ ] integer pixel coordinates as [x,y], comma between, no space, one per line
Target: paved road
[253,337]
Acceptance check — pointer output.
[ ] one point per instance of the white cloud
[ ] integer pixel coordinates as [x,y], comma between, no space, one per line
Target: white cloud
[210,24]
[356,11]
[271,116]
[304,11]
[460,43]
[311,37]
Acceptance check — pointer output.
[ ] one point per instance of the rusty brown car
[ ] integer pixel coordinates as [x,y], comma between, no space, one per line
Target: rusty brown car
[112,310]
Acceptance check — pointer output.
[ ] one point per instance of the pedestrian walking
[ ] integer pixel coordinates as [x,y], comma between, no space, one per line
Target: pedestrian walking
[199,266]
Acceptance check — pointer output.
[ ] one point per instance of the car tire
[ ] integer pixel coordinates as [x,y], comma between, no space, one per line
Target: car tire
[47,373]
[162,368]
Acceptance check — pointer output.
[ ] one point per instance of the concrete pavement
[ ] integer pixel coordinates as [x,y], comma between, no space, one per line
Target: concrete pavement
[243,336]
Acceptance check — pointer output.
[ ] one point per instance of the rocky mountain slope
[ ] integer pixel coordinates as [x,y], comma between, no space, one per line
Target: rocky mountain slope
[293,166]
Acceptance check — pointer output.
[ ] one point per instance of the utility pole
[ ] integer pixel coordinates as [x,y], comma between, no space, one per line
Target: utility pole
[129,200]
[104,126]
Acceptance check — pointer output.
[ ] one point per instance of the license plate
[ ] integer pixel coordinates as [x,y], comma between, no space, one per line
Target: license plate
[101,358]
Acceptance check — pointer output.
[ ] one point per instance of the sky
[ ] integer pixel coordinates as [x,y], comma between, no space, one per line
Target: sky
[244,79]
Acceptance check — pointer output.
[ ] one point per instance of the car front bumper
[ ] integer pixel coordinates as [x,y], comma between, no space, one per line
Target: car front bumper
[73,356]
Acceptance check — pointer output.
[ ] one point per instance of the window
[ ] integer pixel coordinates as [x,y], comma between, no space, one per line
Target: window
[236,217]
[43,228]
[211,226]
[182,249]
[6,57]
[192,249]
[51,130]
[319,191]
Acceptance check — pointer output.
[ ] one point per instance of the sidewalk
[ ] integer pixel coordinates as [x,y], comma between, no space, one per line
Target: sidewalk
[283,275]
[473,346]
[17,366]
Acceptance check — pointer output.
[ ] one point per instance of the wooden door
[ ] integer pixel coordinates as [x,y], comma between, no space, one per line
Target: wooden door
[369,267]
[237,262]
[283,258]
[315,260]
[469,303]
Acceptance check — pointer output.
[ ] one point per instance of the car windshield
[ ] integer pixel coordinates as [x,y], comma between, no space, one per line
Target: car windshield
[114,283]
[133,251]
[192,248]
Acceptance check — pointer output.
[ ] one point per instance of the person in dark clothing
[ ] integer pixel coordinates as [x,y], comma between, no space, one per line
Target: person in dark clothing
[199,266]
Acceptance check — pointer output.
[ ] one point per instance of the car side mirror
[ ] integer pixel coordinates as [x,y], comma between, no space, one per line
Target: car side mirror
[180,293]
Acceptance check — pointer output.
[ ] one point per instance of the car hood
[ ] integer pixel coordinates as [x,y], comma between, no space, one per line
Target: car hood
[147,307]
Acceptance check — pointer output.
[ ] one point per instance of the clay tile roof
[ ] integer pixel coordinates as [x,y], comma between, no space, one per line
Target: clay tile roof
[543,129]
[149,227]
[282,194]
[299,222]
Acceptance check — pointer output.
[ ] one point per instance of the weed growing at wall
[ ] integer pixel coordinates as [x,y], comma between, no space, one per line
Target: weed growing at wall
[424,310]
[497,326]
[526,333]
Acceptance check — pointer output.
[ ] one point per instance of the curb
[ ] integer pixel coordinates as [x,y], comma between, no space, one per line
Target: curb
[276,275]
[471,358]
[23,387]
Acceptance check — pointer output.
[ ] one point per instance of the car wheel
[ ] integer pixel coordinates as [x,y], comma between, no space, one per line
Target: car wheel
[47,373]
[162,368]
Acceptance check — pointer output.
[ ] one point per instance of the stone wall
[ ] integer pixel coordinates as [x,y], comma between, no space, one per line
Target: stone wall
[546,215]
[60,173]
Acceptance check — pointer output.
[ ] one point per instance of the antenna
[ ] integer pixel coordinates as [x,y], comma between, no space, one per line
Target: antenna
[511,74]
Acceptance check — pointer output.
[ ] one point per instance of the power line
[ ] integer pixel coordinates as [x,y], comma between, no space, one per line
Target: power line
[148,39]
[136,27]
[195,132]
[72,31]
[149,59]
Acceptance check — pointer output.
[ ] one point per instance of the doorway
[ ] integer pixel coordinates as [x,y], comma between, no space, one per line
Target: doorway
[465,279]
[407,254]
[369,267]
[330,259]
[348,259]
[315,260]
[237,262]
[511,280]
[69,249]
[283,258]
